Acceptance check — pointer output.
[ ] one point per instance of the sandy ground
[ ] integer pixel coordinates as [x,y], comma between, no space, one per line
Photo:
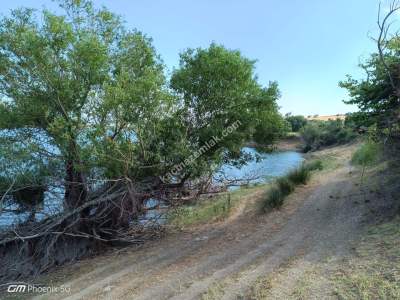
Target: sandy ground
[319,220]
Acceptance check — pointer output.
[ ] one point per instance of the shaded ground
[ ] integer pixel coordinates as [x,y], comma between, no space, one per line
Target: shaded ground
[290,143]
[235,259]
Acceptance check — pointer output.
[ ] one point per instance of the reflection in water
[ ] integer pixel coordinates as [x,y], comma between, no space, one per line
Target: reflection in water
[50,206]
[266,168]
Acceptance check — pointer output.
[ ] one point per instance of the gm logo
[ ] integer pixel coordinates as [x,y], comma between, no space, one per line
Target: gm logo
[16,288]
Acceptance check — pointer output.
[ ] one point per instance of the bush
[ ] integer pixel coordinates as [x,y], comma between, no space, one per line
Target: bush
[300,175]
[284,186]
[273,199]
[317,134]
[366,155]
[311,135]
[296,122]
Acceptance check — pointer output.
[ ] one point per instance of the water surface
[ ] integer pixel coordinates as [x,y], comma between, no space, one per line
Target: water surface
[264,169]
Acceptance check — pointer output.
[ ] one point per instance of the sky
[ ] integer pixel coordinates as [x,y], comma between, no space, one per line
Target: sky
[307,46]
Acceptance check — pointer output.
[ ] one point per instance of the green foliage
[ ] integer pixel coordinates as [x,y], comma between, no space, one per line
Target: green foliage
[217,87]
[300,175]
[359,120]
[274,198]
[22,168]
[213,209]
[22,180]
[314,165]
[270,128]
[25,189]
[375,95]
[84,83]
[367,154]
[85,97]
[206,211]
[317,134]
[285,185]
[296,122]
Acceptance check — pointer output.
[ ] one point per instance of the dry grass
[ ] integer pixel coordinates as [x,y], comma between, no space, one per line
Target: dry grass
[372,273]
[214,209]
[326,118]
[375,272]
[214,292]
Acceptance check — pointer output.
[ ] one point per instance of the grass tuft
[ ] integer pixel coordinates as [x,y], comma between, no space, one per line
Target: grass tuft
[214,209]
[210,210]
[299,176]
[274,199]
[285,185]
[315,165]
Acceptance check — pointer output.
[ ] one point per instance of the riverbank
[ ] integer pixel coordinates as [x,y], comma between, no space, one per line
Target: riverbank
[242,253]
[262,168]
[292,142]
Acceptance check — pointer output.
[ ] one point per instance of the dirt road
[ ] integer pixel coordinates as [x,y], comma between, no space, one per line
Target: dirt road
[319,220]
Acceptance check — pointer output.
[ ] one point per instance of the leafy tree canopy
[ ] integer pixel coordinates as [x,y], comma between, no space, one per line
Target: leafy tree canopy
[375,95]
[217,87]
[296,122]
[83,98]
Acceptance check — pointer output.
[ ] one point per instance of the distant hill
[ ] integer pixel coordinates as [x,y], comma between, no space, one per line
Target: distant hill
[326,118]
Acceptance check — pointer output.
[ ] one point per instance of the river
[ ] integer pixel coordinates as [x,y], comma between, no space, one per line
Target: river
[267,167]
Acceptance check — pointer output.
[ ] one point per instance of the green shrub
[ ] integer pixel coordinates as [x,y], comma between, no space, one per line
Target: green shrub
[311,135]
[296,122]
[366,155]
[285,186]
[274,198]
[300,175]
[317,134]
[314,165]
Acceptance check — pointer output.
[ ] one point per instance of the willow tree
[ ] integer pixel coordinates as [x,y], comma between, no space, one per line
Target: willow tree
[217,87]
[85,99]
[73,82]
[84,103]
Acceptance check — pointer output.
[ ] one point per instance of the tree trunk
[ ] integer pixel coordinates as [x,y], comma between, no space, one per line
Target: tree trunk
[75,186]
